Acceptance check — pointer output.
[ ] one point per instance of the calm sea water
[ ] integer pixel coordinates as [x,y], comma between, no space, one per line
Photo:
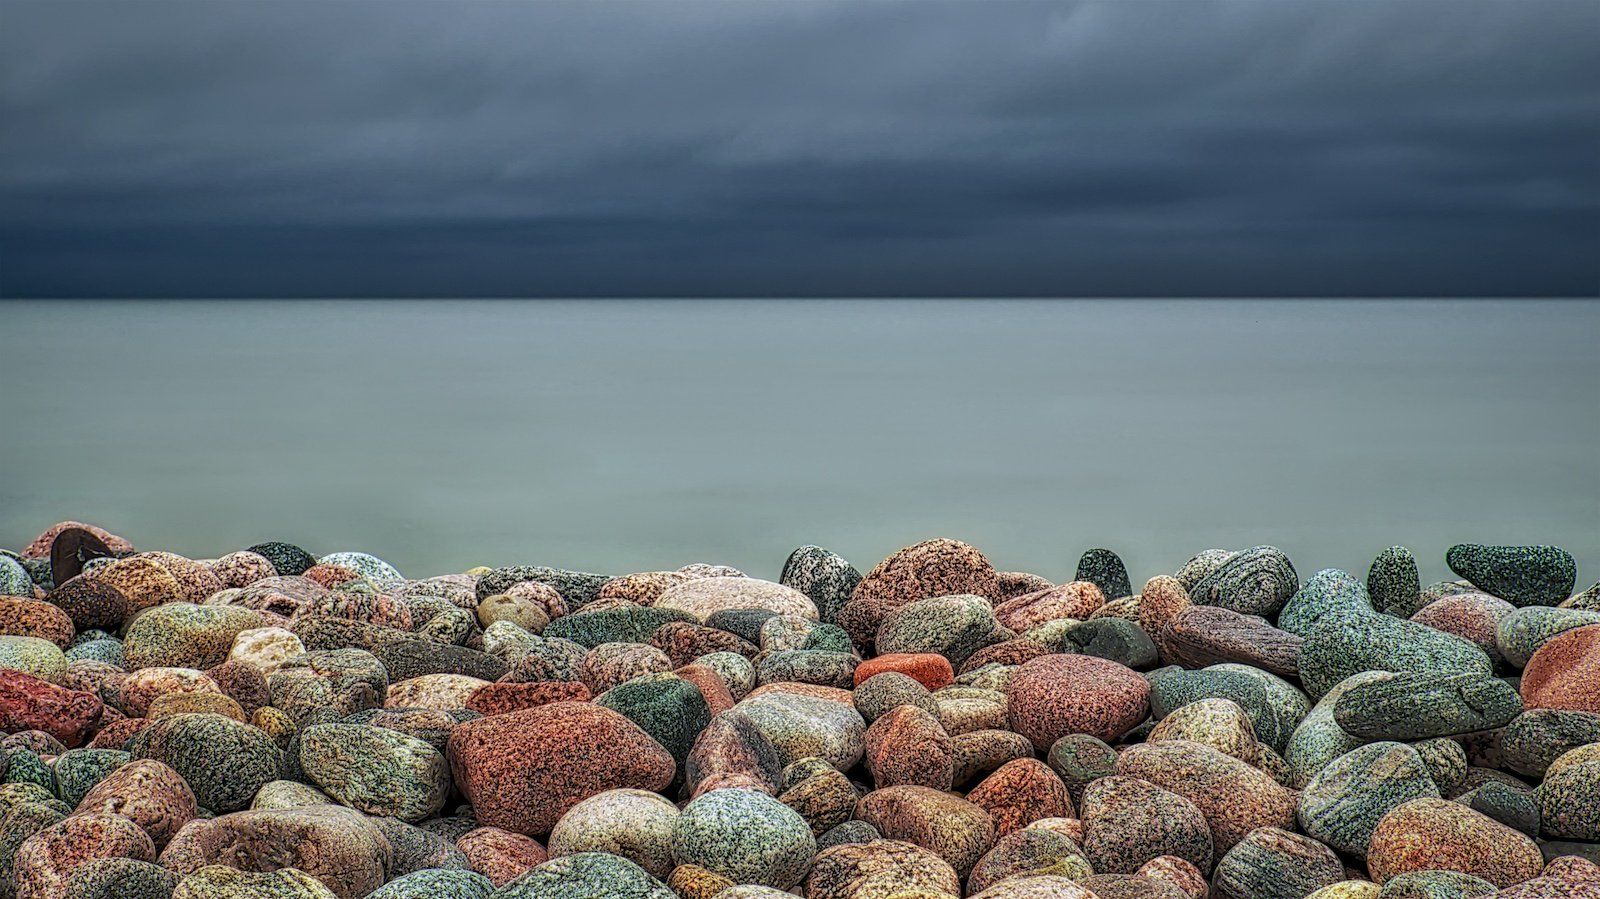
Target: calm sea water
[623,436]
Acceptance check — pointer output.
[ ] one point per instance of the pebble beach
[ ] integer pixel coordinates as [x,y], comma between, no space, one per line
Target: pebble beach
[286,722]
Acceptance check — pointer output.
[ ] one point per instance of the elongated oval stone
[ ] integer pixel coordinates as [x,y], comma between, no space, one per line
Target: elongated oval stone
[1351,642]
[1419,706]
[1257,581]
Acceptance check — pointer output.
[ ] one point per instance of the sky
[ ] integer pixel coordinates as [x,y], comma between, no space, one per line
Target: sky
[196,148]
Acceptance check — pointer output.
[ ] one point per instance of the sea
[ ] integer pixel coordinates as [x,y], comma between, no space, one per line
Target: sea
[633,435]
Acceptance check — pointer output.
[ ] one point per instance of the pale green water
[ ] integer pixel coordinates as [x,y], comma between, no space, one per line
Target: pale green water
[624,436]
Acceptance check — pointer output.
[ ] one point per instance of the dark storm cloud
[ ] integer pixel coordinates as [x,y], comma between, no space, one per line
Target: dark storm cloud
[780,148]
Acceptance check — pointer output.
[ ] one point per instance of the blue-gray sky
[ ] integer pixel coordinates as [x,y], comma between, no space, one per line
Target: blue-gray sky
[678,148]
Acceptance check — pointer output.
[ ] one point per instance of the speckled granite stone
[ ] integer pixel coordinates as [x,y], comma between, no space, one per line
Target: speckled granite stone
[1052,696]
[1349,642]
[956,830]
[824,576]
[940,567]
[879,869]
[1257,581]
[746,836]
[1569,797]
[1344,801]
[1428,834]
[587,875]
[1393,583]
[1270,863]
[1521,575]
[436,884]
[635,824]
[1127,822]
[523,770]
[1421,705]
[1105,570]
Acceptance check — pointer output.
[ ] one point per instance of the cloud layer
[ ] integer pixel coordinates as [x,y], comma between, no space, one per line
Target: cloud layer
[673,148]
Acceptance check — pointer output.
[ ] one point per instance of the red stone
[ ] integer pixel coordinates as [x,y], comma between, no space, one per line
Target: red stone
[1056,695]
[498,699]
[31,703]
[927,668]
[500,855]
[522,770]
[1565,672]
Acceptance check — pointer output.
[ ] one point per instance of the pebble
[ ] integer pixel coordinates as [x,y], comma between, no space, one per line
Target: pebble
[1270,863]
[1052,696]
[1393,582]
[1417,706]
[1105,570]
[941,567]
[1235,797]
[880,869]
[1352,642]
[1257,581]
[635,824]
[375,769]
[702,597]
[1521,575]
[958,831]
[1565,672]
[823,576]
[1343,802]
[1434,834]
[1128,822]
[522,770]
[746,836]
[587,875]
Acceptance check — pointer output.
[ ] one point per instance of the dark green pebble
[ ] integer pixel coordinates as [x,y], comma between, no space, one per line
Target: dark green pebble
[1520,575]
[822,667]
[77,770]
[1420,706]
[1105,570]
[1173,687]
[1257,581]
[1270,863]
[25,766]
[586,875]
[1513,807]
[1329,590]
[1117,639]
[1436,885]
[848,832]
[405,659]
[620,625]
[578,588]
[670,709]
[1538,737]
[119,878]
[1393,582]
[286,558]
[1079,760]
[743,623]
[830,637]
[1349,642]
[823,576]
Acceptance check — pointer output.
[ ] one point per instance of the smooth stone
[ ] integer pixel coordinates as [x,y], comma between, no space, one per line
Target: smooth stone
[880,869]
[952,626]
[824,576]
[1393,582]
[633,624]
[1343,802]
[587,875]
[1270,863]
[523,770]
[577,588]
[1235,797]
[702,597]
[1055,695]
[1346,643]
[436,884]
[1114,639]
[1515,808]
[635,824]
[1521,634]
[1105,570]
[1569,797]
[1418,706]
[223,882]
[746,836]
[223,760]
[1565,672]
[1436,885]
[1128,822]
[119,878]
[1434,834]
[1273,713]
[956,830]
[1318,739]
[1257,581]
[376,770]
[801,726]
[1520,575]
[336,845]
[1538,737]
[1328,591]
